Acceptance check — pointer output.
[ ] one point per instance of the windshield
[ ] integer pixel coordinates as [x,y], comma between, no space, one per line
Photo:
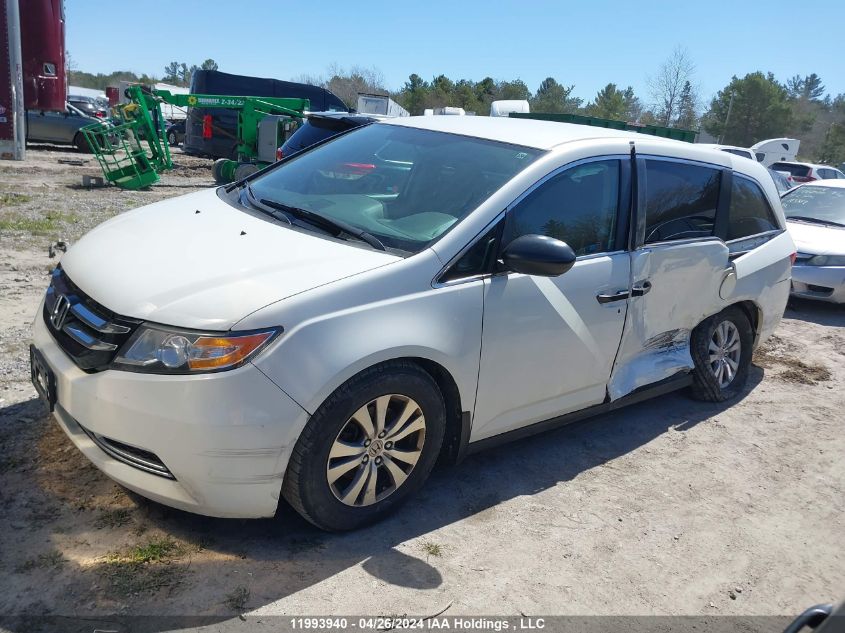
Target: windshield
[826,204]
[404,186]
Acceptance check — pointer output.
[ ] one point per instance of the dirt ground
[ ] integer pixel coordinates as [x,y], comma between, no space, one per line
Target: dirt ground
[668,507]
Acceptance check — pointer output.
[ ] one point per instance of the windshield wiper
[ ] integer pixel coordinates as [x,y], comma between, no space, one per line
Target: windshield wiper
[264,208]
[804,218]
[330,225]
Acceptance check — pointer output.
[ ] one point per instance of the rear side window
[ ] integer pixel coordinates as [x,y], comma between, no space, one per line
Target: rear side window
[578,206]
[681,200]
[750,212]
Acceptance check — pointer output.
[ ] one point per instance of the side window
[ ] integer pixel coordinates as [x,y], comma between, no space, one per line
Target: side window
[578,206]
[749,212]
[681,200]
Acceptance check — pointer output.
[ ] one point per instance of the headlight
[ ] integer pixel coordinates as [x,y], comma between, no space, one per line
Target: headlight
[161,350]
[826,260]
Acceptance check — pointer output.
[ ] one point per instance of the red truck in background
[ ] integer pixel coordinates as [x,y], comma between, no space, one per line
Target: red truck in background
[32,67]
[43,54]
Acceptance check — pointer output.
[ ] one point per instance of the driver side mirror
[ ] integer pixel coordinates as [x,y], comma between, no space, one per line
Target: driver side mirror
[538,255]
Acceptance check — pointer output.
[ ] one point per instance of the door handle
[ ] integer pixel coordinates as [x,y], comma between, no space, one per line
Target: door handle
[640,289]
[622,294]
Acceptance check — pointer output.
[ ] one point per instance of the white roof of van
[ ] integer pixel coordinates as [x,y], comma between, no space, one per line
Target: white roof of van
[526,132]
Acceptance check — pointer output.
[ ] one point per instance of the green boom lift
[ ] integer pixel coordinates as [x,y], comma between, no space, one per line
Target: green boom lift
[134,151]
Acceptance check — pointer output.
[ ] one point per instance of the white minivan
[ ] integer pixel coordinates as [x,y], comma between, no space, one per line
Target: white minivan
[412,290]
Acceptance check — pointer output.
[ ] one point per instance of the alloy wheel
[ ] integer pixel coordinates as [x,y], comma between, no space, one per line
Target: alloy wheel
[376,450]
[724,350]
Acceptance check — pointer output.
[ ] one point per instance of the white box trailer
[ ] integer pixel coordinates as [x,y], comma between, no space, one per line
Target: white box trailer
[504,107]
[379,104]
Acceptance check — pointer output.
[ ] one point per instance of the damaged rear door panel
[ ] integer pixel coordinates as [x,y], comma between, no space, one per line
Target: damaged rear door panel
[680,288]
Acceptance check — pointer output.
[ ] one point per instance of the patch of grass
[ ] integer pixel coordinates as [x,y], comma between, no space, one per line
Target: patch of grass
[127,578]
[144,568]
[113,518]
[432,549]
[50,559]
[237,600]
[155,550]
[7,198]
[37,226]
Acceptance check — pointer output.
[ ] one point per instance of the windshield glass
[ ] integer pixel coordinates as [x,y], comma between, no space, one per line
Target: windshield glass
[818,203]
[405,186]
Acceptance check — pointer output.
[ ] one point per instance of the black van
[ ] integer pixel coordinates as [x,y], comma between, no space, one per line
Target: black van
[224,122]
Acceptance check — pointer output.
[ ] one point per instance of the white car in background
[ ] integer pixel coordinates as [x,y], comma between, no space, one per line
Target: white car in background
[815,215]
[798,173]
[414,289]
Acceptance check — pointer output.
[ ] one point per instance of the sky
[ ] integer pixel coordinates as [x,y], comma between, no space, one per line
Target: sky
[587,43]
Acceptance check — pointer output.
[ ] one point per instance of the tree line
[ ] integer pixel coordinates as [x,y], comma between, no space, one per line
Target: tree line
[747,110]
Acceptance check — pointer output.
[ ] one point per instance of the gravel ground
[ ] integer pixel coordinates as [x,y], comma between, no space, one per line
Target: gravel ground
[668,507]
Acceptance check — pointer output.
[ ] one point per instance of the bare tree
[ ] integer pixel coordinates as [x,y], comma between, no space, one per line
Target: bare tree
[346,84]
[668,85]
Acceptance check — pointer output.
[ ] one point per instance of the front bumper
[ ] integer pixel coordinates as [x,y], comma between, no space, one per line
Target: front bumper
[823,283]
[224,437]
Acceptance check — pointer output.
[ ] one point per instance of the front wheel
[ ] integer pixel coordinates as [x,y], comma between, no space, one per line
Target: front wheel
[370,446]
[721,348]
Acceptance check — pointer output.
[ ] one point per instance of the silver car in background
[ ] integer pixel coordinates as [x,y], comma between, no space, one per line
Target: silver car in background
[815,216]
[59,127]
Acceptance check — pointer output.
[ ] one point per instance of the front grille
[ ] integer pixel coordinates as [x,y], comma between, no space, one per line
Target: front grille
[130,455]
[87,332]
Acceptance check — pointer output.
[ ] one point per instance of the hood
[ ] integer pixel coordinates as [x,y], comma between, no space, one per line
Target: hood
[197,262]
[816,239]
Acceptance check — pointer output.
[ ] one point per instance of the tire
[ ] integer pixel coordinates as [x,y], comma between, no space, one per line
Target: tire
[171,138]
[710,383]
[81,143]
[349,501]
[217,171]
[245,169]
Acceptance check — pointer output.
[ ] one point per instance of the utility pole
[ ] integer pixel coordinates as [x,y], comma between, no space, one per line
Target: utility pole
[12,113]
[727,118]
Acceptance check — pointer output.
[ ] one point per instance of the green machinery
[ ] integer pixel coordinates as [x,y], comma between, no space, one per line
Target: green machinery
[133,152]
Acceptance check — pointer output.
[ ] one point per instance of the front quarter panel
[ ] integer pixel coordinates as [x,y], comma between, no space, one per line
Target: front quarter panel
[335,332]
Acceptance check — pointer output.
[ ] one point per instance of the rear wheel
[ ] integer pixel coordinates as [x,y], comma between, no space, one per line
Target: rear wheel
[245,169]
[721,348]
[171,138]
[81,143]
[369,447]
